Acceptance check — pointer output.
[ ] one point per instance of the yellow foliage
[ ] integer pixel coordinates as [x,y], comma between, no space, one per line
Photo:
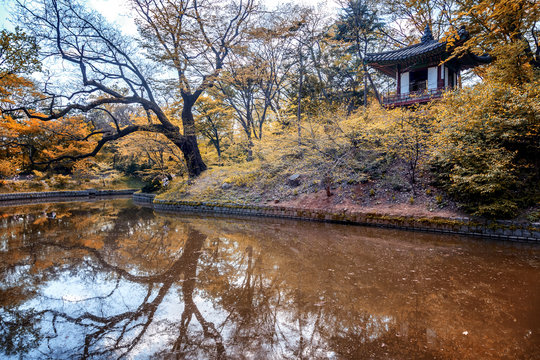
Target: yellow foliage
[84,168]
[487,144]
[8,168]
[40,220]
[38,174]
[242,180]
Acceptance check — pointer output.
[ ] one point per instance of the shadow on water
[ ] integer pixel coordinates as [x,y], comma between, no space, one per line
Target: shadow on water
[111,279]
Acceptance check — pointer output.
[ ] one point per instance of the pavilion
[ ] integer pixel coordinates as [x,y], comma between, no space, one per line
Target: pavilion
[423,71]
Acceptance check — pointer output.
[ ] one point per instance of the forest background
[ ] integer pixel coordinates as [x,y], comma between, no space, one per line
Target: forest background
[231,101]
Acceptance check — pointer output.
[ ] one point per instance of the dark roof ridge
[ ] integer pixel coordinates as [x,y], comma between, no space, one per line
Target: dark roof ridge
[427,34]
[426,40]
[407,52]
[426,47]
[405,47]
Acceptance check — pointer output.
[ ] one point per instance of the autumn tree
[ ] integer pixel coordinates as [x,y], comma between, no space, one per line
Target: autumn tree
[240,92]
[500,27]
[18,57]
[359,26]
[28,142]
[332,77]
[306,31]
[214,121]
[149,156]
[188,37]
[18,53]
[307,82]
[328,73]
[192,38]
[253,79]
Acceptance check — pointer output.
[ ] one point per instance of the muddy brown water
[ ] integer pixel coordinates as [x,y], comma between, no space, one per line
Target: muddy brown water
[110,279]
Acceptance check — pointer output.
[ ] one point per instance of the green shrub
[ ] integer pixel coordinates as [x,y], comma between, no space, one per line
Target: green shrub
[487,149]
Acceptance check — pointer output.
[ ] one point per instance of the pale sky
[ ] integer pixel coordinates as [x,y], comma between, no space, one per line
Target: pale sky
[116,11]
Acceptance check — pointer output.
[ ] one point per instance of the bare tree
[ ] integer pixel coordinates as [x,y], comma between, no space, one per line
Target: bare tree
[192,38]
[186,35]
[253,80]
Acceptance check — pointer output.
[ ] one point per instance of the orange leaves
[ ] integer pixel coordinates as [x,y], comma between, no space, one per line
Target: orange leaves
[26,140]
[94,242]
[50,139]
[20,128]
[83,168]
[40,221]
[41,265]
[12,88]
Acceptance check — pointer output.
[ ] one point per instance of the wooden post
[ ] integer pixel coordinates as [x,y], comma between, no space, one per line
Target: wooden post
[440,80]
[398,92]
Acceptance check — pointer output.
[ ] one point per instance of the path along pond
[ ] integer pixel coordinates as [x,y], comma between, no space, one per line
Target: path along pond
[110,279]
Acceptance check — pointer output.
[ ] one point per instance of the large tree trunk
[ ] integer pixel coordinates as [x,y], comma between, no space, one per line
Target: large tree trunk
[188,146]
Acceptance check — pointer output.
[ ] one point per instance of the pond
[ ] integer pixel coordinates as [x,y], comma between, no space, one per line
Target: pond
[110,279]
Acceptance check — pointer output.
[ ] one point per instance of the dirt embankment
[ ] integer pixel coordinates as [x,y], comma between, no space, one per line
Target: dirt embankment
[306,191]
[340,201]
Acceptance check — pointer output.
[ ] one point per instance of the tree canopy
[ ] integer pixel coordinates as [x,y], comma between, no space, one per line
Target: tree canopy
[208,82]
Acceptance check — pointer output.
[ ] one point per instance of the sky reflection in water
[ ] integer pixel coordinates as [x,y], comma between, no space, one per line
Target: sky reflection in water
[110,279]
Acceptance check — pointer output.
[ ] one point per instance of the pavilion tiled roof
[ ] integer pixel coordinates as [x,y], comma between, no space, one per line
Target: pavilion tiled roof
[426,48]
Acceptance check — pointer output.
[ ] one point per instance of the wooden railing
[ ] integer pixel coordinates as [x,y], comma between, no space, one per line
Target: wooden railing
[413,97]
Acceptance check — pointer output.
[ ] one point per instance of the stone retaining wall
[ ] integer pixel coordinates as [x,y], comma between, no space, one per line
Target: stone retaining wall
[63,194]
[503,230]
[143,197]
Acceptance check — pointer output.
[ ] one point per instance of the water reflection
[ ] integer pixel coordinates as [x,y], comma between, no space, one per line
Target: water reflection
[114,280]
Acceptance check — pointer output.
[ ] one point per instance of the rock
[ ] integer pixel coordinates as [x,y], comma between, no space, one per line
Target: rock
[294,180]
[226,186]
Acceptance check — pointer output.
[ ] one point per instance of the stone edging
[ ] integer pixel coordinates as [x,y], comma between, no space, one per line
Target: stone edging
[63,194]
[143,197]
[503,230]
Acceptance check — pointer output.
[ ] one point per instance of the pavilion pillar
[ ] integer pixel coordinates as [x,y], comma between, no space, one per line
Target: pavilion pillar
[398,72]
[440,77]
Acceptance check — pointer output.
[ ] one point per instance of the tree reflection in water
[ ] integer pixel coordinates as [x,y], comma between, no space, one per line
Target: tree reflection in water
[113,280]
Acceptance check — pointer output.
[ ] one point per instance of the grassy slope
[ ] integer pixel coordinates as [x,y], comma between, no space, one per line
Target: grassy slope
[363,180]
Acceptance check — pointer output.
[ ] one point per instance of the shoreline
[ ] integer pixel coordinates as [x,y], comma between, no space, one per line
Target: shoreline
[506,230]
[6,198]
[513,231]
